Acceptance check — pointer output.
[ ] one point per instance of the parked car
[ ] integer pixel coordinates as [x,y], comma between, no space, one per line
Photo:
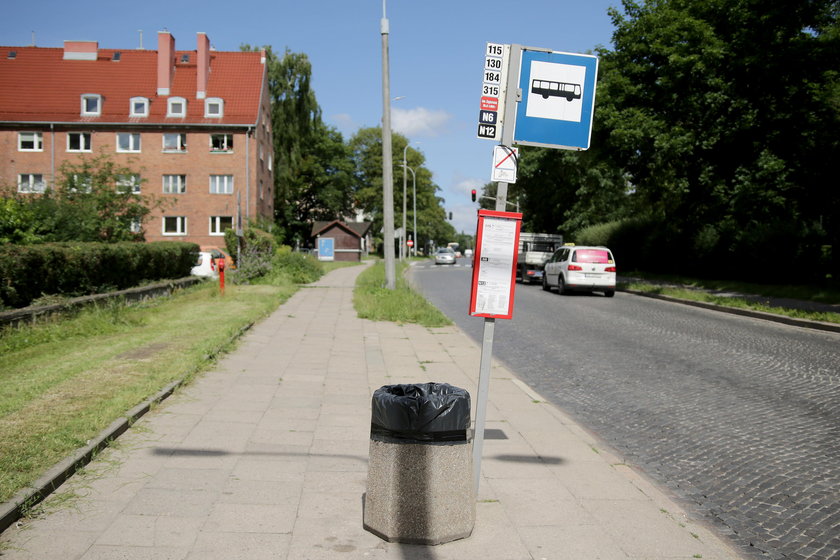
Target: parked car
[588,269]
[468,253]
[445,255]
[221,254]
[205,265]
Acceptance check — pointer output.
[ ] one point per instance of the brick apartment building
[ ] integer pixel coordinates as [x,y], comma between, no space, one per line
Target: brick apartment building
[195,124]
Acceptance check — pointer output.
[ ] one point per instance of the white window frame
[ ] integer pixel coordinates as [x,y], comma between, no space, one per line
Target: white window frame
[209,103]
[84,180]
[174,184]
[86,112]
[221,184]
[180,223]
[31,185]
[132,108]
[136,225]
[170,106]
[227,143]
[135,144]
[37,141]
[86,138]
[182,142]
[131,183]
[216,224]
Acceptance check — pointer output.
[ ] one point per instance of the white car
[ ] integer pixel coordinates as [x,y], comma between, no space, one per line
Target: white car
[572,268]
[205,265]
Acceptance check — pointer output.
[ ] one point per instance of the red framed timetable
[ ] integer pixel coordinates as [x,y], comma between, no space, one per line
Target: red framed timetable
[494,264]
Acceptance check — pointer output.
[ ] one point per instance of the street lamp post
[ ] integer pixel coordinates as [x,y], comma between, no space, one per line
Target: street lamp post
[405,180]
[414,202]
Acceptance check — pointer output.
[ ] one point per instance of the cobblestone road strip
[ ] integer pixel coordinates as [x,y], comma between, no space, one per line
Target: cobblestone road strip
[740,417]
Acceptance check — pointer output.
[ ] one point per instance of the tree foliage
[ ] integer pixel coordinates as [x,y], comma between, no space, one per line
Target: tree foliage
[715,124]
[94,200]
[313,170]
[366,150]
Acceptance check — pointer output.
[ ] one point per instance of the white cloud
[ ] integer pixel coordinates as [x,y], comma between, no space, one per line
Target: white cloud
[419,121]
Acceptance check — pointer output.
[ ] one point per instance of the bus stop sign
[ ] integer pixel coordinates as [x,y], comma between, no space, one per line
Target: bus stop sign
[558,99]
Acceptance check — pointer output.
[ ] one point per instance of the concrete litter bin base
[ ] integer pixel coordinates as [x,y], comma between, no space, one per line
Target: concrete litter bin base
[419,486]
[420,493]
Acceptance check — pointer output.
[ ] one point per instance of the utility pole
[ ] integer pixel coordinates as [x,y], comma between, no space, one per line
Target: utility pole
[387,161]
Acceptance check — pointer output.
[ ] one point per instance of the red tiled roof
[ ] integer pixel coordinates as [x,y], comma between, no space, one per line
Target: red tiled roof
[38,85]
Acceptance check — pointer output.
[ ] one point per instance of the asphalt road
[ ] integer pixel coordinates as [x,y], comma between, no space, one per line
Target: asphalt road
[739,417]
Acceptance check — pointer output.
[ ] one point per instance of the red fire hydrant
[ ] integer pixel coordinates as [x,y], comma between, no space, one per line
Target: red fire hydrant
[222,275]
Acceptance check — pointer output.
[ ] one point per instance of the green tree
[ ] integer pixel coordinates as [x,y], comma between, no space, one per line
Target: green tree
[313,169]
[95,199]
[724,116]
[366,151]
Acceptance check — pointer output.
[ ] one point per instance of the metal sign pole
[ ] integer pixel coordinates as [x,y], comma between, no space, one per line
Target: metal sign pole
[489,323]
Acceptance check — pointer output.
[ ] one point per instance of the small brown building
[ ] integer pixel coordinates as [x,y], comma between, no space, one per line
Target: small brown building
[351,239]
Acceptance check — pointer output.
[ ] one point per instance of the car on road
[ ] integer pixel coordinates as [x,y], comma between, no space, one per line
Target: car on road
[587,269]
[444,255]
[468,253]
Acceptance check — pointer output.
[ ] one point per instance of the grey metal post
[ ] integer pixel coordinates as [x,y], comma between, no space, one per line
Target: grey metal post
[511,97]
[405,180]
[387,162]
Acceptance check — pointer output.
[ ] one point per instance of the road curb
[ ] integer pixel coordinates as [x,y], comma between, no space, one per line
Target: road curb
[804,323]
[50,481]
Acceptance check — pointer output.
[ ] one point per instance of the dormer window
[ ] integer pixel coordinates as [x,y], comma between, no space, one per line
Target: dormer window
[176,107]
[214,107]
[139,107]
[91,105]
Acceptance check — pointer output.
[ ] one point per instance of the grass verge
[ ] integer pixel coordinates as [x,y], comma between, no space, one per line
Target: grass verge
[700,293]
[66,380]
[374,301]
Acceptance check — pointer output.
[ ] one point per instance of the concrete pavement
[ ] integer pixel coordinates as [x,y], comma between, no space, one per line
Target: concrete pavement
[265,456]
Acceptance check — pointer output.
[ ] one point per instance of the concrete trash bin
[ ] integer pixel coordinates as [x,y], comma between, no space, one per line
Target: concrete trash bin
[419,485]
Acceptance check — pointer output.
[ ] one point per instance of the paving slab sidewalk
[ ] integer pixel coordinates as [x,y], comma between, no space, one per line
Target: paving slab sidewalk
[265,456]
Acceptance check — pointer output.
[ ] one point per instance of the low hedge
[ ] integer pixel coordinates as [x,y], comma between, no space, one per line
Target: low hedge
[28,272]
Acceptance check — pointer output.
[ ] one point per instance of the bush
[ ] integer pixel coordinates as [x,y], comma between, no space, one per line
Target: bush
[256,249]
[28,272]
[301,268]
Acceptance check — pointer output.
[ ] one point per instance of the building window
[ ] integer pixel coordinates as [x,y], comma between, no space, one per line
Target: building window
[173,142]
[221,184]
[129,183]
[128,141]
[270,159]
[78,141]
[31,141]
[176,107]
[174,184]
[31,183]
[136,226]
[91,105]
[80,182]
[139,107]
[214,107]
[218,224]
[174,225]
[221,142]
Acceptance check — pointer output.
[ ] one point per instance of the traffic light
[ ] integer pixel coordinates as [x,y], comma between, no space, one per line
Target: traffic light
[473,195]
[450,216]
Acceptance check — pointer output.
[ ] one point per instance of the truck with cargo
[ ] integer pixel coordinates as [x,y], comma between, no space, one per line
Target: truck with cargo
[534,250]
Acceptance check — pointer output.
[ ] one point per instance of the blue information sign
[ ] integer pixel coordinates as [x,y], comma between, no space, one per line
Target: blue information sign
[558,99]
[326,249]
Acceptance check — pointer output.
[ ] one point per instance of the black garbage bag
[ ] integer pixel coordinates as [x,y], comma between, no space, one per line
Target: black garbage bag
[423,412]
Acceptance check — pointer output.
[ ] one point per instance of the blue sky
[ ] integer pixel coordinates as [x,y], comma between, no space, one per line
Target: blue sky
[436,57]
